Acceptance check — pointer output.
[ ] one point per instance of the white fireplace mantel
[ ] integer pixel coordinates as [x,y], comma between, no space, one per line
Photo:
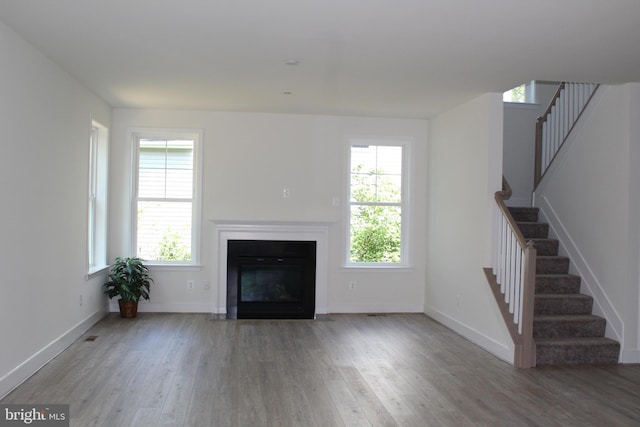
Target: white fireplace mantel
[273,230]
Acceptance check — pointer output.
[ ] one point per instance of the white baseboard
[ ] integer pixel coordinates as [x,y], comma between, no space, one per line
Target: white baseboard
[374,308]
[30,366]
[150,307]
[500,350]
[630,356]
[172,307]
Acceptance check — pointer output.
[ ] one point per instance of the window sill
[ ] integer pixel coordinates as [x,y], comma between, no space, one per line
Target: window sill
[173,267]
[390,268]
[93,272]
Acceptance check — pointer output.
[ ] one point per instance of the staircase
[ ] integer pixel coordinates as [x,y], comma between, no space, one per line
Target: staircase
[548,319]
[564,330]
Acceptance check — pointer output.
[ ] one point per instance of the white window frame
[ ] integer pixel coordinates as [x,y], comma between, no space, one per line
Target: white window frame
[405,255]
[196,215]
[97,215]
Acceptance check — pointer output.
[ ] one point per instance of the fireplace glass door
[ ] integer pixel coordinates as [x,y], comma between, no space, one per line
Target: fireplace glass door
[270,280]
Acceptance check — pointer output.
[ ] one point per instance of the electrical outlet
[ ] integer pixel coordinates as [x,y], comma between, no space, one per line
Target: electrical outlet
[352,286]
[206,285]
[190,284]
[285,193]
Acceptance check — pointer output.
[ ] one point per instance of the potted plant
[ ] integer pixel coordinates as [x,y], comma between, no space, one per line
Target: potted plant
[129,279]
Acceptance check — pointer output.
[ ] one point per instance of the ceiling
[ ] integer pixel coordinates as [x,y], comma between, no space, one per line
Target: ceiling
[393,58]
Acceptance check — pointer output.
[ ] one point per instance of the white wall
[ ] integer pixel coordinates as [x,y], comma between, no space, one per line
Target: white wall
[44,153]
[590,198]
[519,150]
[248,159]
[519,142]
[464,172]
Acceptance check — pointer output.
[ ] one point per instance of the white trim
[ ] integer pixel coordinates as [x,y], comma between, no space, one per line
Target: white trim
[166,307]
[96,271]
[338,308]
[98,175]
[377,268]
[501,351]
[134,135]
[630,356]
[405,202]
[153,266]
[272,230]
[30,366]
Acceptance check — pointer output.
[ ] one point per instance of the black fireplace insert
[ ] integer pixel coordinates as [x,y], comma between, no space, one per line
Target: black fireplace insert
[271,279]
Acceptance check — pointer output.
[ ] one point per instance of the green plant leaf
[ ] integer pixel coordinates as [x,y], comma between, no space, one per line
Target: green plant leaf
[129,279]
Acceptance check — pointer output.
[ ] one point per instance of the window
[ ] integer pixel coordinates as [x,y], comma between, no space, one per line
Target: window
[166,196]
[525,94]
[98,177]
[377,202]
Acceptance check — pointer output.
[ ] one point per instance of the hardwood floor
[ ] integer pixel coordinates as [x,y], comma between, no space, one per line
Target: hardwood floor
[347,370]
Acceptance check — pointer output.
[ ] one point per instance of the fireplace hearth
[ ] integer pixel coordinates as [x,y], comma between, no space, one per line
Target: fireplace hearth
[271,279]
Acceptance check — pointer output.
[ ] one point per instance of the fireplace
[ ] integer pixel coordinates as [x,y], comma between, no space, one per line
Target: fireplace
[271,279]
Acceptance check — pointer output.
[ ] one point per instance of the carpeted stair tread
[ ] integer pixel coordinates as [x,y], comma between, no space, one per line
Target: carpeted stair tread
[575,351]
[545,247]
[552,304]
[568,326]
[552,265]
[574,341]
[557,284]
[534,230]
[565,317]
[524,214]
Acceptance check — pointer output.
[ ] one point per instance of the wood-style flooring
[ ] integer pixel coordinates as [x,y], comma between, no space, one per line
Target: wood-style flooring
[346,370]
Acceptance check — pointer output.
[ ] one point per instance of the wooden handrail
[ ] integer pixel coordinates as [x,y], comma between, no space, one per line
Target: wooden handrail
[512,222]
[517,312]
[537,167]
[537,158]
[567,121]
[506,192]
[553,101]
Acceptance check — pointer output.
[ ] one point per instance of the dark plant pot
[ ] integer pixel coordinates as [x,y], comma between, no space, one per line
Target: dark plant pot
[128,309]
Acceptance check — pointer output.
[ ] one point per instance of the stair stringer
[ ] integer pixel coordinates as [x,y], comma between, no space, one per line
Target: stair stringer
[590,285]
